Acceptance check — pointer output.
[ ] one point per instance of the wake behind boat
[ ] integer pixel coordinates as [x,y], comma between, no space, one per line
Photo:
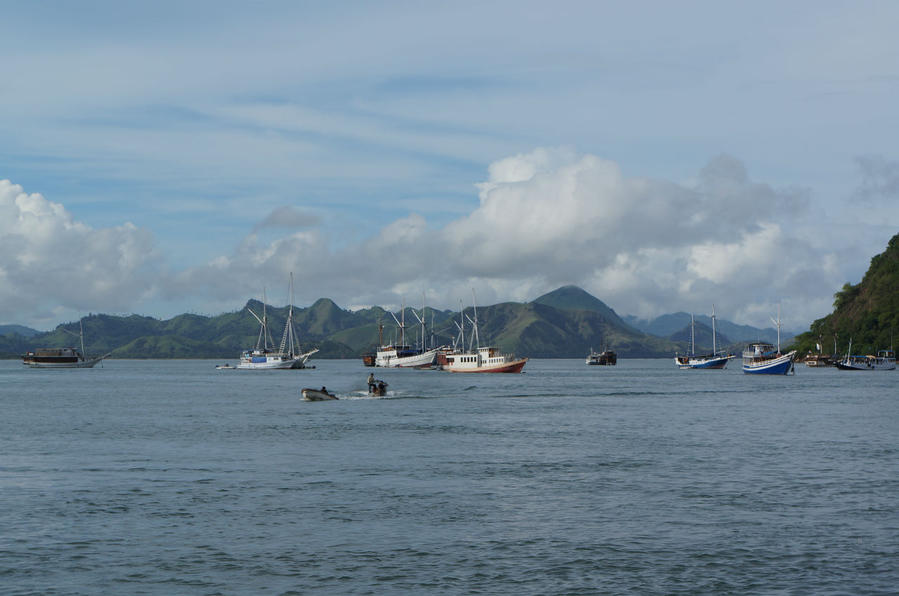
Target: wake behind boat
[264,356]
[62,357]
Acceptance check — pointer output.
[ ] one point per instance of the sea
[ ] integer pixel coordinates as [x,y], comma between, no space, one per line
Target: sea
[172,477]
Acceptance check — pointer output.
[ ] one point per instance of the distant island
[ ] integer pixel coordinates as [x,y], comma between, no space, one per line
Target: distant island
[565,323]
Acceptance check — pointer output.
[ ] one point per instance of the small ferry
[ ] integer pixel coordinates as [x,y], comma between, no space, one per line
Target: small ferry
[480,359]
[484,360]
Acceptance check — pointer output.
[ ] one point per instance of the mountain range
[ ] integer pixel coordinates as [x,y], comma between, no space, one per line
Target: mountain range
[670,324]
[565,323]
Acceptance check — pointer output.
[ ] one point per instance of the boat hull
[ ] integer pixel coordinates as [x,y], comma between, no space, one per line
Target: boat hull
[78,364]
[317,395]
[717,363]
[273,361]
[506,367]
[390,359]
[780,365]
[842,365]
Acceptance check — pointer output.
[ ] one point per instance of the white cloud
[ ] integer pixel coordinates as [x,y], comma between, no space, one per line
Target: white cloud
[53,266]
[553,216]
[545,218]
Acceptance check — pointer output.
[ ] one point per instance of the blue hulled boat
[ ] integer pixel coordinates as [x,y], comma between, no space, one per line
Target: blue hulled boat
[764,359]
[716,360]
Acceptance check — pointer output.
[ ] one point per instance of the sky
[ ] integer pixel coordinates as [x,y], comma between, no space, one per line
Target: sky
[169,157]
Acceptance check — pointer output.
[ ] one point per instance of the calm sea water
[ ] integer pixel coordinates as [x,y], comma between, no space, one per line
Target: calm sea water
[171,477]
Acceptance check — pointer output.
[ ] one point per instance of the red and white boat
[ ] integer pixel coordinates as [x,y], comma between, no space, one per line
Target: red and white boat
[484,360]
[479,360]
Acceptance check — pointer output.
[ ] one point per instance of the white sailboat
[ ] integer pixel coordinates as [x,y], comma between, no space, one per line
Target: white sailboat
[263,356]
[401,355]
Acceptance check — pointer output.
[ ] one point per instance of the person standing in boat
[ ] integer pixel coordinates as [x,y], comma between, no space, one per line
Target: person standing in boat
[371,381]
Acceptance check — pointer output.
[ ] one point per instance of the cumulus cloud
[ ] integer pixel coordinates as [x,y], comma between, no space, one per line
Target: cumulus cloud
[553,216]
[545,218]
[52,265]
[287,217]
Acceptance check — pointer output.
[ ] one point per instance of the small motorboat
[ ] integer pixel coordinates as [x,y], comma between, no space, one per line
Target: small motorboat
[317,394]
[225,366]
[377,388]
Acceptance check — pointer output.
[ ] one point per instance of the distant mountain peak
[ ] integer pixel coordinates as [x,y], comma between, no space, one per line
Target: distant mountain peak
[572,298]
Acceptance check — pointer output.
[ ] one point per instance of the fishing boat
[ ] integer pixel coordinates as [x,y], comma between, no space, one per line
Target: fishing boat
[714,361]
[884,360]
[400,354]
[264,356]
[322,394]
[62,357]
[764,358]
[480,359]
[604,358]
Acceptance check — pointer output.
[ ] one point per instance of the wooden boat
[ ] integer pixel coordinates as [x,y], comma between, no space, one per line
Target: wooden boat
[62,357]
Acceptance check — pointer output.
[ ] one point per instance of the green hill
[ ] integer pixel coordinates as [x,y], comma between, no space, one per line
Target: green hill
[561,324]
[867,312]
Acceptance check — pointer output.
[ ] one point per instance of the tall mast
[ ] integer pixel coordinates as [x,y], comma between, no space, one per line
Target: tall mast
[474,305]
[777,323]
[692,336]
[714,345]
[462,318]
[81,334]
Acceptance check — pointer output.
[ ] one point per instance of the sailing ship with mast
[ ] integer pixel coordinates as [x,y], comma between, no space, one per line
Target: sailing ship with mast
[62,357]
[400,354]
[478,359]
[264,356]
[716,360]
[762,358]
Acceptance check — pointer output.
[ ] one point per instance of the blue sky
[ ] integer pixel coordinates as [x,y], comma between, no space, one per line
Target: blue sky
[170,157]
